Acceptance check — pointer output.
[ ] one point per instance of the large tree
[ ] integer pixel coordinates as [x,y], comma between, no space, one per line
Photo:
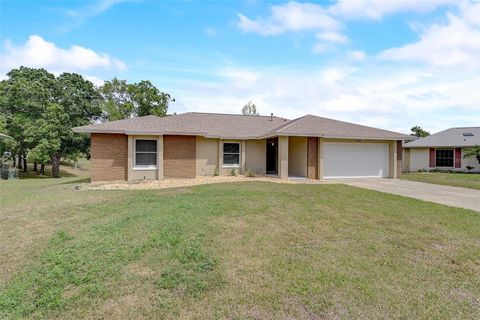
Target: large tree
[41,109]
[25,96]
[417,131]
[121,100]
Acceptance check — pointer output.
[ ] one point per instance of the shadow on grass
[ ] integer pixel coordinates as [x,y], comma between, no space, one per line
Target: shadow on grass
[79,180]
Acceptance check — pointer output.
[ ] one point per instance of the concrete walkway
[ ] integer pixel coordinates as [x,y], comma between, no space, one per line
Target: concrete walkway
[451,196]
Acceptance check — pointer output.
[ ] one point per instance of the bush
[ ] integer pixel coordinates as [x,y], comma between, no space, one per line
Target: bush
[216,172]
[233,172]
[250,173]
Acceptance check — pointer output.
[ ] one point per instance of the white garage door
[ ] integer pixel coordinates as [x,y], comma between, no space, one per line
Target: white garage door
[355,160]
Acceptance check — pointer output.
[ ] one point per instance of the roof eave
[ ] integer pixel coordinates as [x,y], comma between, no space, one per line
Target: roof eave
[279,134]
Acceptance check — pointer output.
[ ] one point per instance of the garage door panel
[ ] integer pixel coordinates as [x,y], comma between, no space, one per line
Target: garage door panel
[355,160]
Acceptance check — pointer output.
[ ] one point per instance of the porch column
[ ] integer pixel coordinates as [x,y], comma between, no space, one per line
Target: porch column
[242,156]
[220,156]
[392,159]
[160,157]
[283,157]
[130,158]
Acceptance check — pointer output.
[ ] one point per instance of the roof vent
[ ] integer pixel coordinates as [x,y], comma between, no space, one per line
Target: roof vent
[468,134]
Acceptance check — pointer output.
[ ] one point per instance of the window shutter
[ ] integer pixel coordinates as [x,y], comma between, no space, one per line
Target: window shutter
[432,158]
[458,158]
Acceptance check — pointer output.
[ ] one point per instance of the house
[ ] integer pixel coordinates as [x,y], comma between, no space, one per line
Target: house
[197,144]
[442,150]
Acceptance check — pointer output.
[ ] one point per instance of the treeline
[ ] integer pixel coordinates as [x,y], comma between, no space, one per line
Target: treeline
[38,110]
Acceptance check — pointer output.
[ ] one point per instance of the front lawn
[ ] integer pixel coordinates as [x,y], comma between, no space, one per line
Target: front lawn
[464,180]
[242,250]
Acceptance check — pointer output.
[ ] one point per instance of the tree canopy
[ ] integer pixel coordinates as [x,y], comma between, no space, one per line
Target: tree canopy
[417,131]
[39,110]
[250,109]
[121,100]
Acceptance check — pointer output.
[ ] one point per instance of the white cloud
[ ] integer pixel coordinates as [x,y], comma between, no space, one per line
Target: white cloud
[79,16]
[292,16]
[377,9]
[38,53]
[332,36]
[95,80]
[357,55]
[391,98]
[454,44]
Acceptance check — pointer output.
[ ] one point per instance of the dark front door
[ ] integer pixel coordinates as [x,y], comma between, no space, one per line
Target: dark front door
[272,155]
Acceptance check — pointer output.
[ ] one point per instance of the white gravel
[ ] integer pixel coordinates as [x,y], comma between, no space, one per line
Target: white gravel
[175,183]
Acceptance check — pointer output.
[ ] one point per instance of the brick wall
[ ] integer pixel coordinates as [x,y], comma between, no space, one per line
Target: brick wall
[109,153]
[399,159]
[312,158]
[179,156]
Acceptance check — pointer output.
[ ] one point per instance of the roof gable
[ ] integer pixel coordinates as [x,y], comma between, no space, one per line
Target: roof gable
[311,125]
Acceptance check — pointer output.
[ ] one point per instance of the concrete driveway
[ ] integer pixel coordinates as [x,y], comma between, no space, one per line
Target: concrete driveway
[451,196]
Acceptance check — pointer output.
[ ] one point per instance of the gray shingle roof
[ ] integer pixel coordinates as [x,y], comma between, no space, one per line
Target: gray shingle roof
[229,126]
[311,125]
[453,137]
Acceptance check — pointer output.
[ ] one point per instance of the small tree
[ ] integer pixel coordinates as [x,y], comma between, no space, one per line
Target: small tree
[417,131]
[473,152]
[250,109]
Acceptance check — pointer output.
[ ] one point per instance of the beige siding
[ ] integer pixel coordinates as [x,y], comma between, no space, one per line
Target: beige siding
[283,157]
[406,160]
[255,156]
[207,156]
[419,159]
[297,156]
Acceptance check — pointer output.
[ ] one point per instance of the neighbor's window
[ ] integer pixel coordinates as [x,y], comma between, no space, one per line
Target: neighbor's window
[444,158]
[231,154]
[145,153]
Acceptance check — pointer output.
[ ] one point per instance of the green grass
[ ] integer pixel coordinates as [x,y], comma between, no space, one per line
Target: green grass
[241,250]
[464,180]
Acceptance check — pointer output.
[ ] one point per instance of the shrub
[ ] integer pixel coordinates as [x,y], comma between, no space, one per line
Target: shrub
[233,172]
[250,173]
[216,172]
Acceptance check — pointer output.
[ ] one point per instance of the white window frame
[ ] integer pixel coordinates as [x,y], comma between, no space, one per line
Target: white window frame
[239,155]
[143,167]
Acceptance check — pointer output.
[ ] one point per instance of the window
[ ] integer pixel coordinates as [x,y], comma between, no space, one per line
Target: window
[444,158]
[231,154]
[145,153]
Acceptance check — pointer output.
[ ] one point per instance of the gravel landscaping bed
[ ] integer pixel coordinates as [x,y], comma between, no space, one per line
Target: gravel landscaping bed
[175,183]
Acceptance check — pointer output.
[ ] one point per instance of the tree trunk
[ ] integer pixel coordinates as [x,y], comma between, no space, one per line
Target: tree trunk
[56,166]
[35,169]
[42,169]
[19,162]
[14,161]
[25,168]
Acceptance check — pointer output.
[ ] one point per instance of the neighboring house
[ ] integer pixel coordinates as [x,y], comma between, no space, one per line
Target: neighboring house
[197,144]
[442,150]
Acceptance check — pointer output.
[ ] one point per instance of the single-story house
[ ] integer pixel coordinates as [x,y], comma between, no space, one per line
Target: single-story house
[442,150]
[197,144]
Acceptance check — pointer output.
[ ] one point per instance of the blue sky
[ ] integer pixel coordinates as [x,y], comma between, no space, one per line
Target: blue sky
[390,64]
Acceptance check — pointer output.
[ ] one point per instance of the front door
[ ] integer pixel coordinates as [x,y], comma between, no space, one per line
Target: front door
[272,155]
